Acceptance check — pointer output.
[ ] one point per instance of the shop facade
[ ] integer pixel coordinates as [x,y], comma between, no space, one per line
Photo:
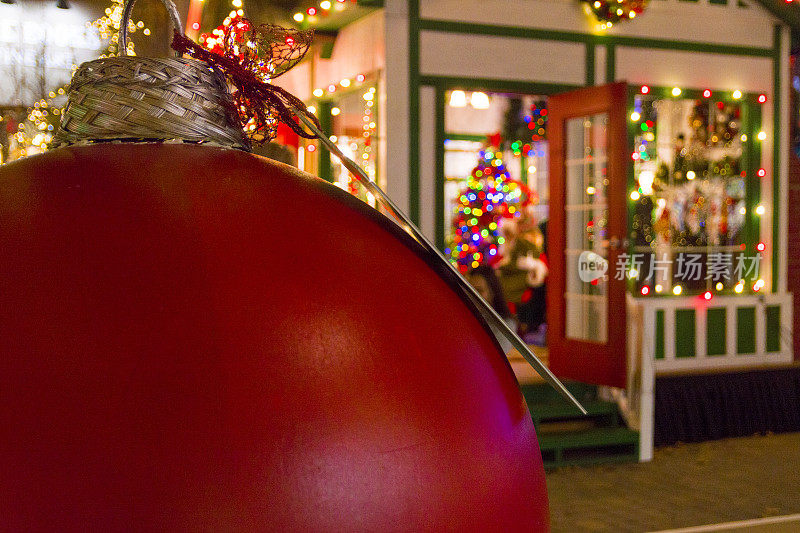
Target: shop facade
[656,151]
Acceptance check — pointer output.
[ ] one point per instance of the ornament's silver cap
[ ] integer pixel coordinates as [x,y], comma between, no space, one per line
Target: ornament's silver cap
[147,98]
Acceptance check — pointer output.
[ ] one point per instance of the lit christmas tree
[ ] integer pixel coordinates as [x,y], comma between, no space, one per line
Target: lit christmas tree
[490,196]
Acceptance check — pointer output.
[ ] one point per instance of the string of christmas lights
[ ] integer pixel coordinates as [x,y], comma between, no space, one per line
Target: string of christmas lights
[313,14]
[359,147]
[369,127]
[536,123]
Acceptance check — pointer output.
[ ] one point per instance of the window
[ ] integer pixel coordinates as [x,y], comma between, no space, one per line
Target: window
[690,224]
[355,126]
[351,115]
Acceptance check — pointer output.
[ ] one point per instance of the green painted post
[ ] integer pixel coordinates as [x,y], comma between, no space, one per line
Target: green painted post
[325,168]
[611,62]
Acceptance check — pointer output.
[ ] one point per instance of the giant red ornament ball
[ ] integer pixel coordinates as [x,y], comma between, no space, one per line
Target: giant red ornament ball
[196,338]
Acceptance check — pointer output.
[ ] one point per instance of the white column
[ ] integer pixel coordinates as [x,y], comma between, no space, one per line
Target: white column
[647,391]
[600,58]
[396,101]
[781,216]
[427,161]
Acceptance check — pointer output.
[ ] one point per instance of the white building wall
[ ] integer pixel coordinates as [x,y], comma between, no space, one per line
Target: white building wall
[503,58]
[358,49]
[694,69]
[687,21]
[298,80]
[397,102]
[427,160]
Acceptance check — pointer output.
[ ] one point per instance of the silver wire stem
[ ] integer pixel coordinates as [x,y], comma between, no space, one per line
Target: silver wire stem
[489,314]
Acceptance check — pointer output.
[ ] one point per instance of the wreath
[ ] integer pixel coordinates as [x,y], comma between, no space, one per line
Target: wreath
[612,11]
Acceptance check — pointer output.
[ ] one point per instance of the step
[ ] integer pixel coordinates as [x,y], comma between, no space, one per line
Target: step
[589,446]
[589,438]
[543,412]
[632,457]
[544,393]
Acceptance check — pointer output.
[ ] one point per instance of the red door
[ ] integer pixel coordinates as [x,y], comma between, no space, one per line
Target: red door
[588,172]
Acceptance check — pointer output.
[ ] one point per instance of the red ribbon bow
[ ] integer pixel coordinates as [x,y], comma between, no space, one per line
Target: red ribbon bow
[251,57]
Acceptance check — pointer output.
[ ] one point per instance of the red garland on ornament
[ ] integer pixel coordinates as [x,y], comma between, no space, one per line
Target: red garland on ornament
[251,56]
[214,40]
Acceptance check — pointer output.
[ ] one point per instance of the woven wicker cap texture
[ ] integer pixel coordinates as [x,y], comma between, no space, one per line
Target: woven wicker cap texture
[146,98]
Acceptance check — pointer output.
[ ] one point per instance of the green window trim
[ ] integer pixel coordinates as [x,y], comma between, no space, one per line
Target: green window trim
[659,347]
[752,155]
[470,28]
[460,136]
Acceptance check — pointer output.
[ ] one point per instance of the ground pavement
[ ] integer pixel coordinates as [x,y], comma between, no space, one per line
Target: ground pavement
[685,485]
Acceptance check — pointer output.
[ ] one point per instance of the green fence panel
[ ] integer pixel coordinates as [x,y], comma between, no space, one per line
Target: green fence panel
[746,330]
[716,331]
[685,333]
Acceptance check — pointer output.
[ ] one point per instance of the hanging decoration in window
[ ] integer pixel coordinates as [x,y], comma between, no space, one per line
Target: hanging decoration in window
[524,127]
[611,11]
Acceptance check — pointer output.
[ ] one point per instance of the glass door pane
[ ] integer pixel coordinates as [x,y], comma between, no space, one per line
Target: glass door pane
[586,217]
[589,163]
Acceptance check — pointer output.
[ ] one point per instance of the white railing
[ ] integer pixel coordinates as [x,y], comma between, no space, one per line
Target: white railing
[637,401]
[672,361]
